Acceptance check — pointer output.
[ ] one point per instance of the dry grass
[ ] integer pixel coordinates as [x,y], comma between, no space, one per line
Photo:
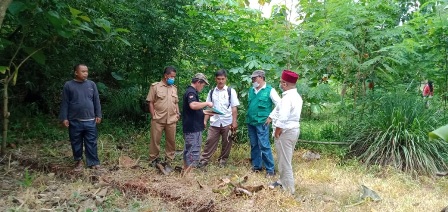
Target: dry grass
[321,185]
[325,185]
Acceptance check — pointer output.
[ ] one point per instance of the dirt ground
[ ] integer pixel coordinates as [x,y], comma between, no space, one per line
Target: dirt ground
[31,182]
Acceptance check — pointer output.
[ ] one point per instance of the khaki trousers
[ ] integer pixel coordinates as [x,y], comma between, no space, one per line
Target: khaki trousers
[284,145]
[211,144]
[156,136]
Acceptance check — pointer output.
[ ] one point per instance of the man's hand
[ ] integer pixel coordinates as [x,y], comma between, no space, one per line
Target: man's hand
[278,132]
[66,123]
[234,125]
[97,120]
[268,121]
[210,104]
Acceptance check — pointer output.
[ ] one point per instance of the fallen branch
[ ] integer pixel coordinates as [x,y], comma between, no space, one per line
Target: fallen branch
[240,191]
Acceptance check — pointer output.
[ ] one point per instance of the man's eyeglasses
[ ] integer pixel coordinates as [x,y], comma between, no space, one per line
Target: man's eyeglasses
[254,78]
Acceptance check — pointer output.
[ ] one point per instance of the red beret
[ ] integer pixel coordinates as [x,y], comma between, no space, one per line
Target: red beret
[290,76]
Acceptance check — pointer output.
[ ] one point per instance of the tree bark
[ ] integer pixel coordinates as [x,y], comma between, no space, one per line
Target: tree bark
[5,116]
[4,4]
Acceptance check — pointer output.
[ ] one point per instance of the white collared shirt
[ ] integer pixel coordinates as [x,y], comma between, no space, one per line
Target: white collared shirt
[286,114]
[275,98]
[221,103]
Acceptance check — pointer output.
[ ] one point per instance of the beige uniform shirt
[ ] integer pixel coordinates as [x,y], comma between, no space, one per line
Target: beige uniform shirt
[165,101]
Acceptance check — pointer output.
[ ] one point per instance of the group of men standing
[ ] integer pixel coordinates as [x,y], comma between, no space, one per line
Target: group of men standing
[80,104]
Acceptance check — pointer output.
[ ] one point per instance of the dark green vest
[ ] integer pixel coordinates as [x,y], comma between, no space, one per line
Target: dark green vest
[260,106]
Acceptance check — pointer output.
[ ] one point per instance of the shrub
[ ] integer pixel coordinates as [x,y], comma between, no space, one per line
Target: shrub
[394,131]
[123,105]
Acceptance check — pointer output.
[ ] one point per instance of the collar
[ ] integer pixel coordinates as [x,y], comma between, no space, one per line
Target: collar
[289,91]
[164,83]
[262,87]
[223,88]
[192,87]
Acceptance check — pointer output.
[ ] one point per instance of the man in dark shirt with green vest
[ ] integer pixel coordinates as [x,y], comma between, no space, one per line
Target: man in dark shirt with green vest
[262,98]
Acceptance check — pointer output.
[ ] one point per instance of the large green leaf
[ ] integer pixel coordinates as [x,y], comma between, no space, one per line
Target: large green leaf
[86,27]
[16,7]
[38,56]
[124,41]
[441,132]
[74,12]
[122,30]
[3,69]
[117,76]
[54,18]
[103,23]
[4,43]
[85,18]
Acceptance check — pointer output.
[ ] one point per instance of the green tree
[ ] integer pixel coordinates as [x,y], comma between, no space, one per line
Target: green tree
[351,41]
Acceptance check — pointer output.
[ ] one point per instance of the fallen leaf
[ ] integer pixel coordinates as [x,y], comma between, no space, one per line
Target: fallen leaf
[126,162]
[369,194]
[224,182]
[102,193]
[240,191]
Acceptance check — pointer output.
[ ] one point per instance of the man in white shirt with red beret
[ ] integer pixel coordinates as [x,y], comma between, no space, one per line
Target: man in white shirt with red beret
[286,116]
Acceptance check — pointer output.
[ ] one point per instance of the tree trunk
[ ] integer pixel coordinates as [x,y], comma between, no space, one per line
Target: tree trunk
[4,4]
[5,115]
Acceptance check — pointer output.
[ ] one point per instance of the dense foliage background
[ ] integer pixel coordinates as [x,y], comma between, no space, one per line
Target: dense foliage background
[349,54]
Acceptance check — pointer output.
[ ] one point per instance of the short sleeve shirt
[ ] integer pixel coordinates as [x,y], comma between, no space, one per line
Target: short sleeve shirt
[165,101]
[192,120]
[221,102]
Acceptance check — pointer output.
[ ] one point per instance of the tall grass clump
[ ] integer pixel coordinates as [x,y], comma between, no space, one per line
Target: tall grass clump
[393,131]
[123,105]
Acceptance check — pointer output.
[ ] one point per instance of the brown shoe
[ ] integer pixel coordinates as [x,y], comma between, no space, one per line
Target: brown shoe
[79,166]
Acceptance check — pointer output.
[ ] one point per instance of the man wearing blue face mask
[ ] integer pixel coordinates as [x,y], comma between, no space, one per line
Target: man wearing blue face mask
[164,109]
[262,98]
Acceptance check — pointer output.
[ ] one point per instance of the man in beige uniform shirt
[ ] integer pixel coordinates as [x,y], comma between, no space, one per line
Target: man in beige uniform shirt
[164,109]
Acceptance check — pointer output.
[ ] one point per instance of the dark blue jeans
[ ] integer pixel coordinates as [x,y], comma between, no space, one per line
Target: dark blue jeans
[84,133]
[260,147]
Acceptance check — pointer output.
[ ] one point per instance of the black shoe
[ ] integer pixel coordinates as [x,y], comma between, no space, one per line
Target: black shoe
[178,169]
[155,162]
[201,165]
[253,169]
[222,164]
[270,174]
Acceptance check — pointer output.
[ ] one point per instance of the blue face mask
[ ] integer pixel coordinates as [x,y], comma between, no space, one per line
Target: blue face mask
[170,81]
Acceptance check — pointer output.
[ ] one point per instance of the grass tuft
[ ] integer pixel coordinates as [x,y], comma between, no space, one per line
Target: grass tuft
[395,133]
